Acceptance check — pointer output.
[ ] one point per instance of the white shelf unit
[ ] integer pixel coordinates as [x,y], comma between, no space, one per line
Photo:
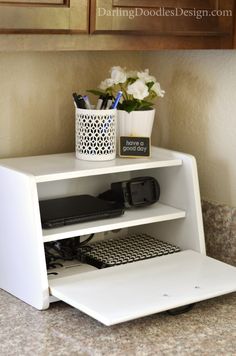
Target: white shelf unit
[136,289]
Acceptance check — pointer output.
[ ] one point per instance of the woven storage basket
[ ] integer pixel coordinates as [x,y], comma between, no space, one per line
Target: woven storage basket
[95,134]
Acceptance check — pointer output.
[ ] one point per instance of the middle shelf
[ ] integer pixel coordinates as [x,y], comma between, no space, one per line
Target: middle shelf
[140,216]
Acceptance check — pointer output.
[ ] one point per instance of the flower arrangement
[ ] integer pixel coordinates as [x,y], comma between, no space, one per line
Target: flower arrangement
[139,89]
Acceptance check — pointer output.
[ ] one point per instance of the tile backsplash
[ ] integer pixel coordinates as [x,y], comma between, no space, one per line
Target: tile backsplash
[220,231]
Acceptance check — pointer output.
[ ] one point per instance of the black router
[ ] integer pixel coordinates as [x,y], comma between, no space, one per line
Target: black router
[76,209]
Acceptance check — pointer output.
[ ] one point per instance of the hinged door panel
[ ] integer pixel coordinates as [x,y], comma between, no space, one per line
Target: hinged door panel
[117,294]
[165,17]
[43,16]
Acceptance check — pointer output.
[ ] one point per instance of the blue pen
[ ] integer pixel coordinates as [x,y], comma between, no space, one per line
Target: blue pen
[117,99]
[87,102]
[114,106]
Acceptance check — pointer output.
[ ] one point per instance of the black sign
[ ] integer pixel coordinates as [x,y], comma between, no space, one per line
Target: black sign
[134,146]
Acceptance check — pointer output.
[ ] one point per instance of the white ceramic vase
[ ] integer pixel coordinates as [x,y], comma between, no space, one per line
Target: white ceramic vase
[136,123]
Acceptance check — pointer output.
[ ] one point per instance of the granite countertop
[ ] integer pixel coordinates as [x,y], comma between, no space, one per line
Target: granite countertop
[209,329]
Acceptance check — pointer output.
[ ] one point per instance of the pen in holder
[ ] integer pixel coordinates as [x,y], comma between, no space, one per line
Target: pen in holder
[95,134]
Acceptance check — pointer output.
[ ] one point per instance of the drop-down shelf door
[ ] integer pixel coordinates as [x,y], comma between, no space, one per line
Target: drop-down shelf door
[118,294]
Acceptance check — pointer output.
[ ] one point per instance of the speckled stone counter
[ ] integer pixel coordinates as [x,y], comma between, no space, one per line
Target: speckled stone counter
[209,329]
[220,231]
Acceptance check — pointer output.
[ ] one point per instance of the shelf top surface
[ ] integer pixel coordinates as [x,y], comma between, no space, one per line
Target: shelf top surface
[154,213]
[65,165]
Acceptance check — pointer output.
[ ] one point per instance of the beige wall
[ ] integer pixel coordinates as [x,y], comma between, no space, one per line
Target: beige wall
[36,108]
[198,114]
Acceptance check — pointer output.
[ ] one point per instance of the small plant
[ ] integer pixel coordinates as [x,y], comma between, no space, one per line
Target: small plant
[139,89]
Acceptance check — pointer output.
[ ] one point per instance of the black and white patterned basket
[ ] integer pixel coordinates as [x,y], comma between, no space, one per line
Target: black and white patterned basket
[131,248]
[95,134]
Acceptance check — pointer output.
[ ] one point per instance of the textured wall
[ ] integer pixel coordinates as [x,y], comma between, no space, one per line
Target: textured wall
[36,109]
[198,114]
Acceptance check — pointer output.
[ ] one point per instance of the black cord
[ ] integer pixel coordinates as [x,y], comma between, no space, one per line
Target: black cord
[65,250]
[87,240]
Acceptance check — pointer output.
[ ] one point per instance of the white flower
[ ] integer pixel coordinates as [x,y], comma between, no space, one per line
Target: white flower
[138,89]
[157,89]
[118,75]
[134,85]
[107,83]
[145,77]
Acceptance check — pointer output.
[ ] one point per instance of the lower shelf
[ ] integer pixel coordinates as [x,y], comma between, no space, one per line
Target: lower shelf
[140,216]
[117,294]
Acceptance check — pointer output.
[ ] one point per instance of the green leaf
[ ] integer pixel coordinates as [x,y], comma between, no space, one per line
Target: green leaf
[135,105]
[148,103]
[128,105]
[150,85]
[145,108]
[131,80]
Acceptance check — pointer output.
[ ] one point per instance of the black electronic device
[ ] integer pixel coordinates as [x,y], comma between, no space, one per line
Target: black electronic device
[76,209]
[136,192]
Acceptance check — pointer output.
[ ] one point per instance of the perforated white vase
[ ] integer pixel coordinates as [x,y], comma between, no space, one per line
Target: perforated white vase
[136,123]
[95,134]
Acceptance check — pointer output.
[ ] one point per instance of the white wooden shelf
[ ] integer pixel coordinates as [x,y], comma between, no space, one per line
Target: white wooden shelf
[154,213]
[138,289]
[65,166]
